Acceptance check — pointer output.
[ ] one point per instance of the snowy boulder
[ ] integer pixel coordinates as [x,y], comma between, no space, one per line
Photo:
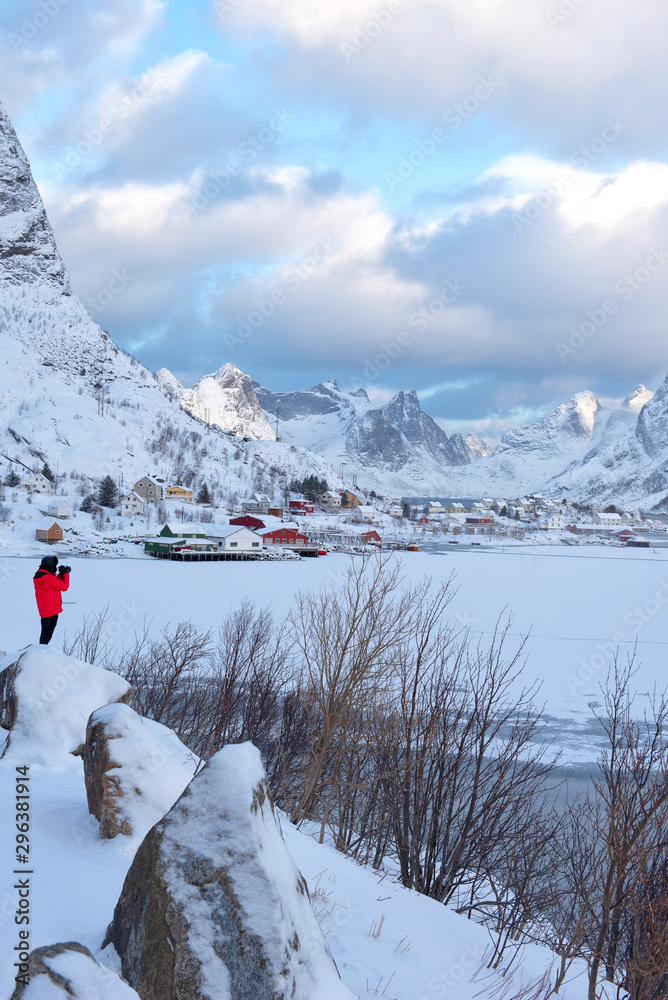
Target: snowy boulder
[135,770]
[213,906]
[70,972]
[47,699]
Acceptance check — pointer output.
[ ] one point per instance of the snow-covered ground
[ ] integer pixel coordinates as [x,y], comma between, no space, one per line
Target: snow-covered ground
[387,941]
[579,605]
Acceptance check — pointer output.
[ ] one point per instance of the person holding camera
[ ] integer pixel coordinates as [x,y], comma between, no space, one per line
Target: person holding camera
[49,585]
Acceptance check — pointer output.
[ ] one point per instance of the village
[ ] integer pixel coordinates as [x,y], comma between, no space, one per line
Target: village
[171,521]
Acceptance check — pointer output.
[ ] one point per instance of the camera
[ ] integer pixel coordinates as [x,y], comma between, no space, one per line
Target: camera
[64,569]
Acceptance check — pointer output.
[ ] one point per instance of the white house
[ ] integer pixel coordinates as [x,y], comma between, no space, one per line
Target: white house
[366,515]
[609,520]
[235,538]
[551,522]
[38,483]
[132,503]
[61,508]
[330,499]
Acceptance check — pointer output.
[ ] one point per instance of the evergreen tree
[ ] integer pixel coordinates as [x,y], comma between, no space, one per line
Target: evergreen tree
[406,510]
[107,492]
[47,473]
[12,479]
[87,504]
[204,496]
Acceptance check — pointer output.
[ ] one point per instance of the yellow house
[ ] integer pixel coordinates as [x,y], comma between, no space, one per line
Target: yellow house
[349,499]
[179,493]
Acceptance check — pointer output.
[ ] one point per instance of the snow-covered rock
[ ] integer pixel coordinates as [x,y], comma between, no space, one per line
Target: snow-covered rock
[68,971]
[135,770]
[213,905]
[225,399]
[49,698]
[28,252]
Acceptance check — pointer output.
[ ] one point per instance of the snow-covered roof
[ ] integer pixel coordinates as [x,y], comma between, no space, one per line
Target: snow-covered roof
[229,529]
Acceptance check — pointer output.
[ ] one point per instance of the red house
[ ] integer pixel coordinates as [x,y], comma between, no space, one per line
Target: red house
[248,521]
[302,506]
[371,536]
[286,535]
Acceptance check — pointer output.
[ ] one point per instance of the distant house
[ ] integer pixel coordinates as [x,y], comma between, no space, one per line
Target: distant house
[287,534]
[50,535]
[480,519]
[236,538]
[179,493]
[305,506]
[258,504]
[132,504]
[248,521]
[172,530]
[38,483]
[330,499]
[551,522]
[150,488]
[58,508]
[609,520]
[372,536]
[275,512]
[349,499]
[456,508]
[366,515]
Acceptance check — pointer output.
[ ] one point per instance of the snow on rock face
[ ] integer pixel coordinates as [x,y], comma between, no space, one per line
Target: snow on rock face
[652,427]
[213,905]
[28,251]
[637,399]
[571,423]
[68,971]
[477,444]
[49,698]
[135,770]
[225,399]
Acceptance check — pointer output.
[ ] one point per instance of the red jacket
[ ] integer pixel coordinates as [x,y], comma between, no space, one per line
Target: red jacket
[48,588]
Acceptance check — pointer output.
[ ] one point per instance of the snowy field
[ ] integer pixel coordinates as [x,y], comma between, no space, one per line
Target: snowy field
[579,606]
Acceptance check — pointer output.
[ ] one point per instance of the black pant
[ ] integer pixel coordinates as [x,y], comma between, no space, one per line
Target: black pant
[48,627]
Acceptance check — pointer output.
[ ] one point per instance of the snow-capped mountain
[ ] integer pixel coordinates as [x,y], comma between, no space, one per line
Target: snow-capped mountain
[225,399]
[582,449]
[72,398]
[395,447]
[631,467]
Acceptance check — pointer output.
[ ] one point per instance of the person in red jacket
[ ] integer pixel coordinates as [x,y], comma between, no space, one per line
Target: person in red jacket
[48,588]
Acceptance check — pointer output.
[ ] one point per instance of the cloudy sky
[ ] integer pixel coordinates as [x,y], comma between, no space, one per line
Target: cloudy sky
[465,197]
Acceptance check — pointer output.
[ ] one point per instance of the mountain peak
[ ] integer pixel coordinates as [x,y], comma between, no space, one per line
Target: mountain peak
[637,399]
[28,251]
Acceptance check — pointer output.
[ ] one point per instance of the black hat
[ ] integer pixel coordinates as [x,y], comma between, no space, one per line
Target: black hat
[50,563]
